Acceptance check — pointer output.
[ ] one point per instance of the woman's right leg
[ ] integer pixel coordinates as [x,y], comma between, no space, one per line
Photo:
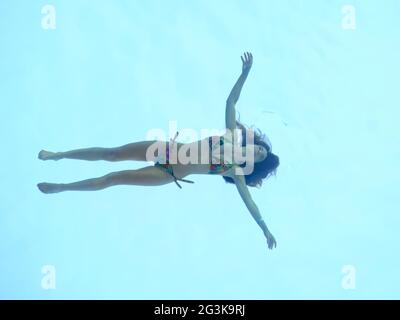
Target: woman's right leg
[147,176]
[132,151]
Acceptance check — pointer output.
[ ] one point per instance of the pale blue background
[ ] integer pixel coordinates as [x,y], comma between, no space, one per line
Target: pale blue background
[327,98]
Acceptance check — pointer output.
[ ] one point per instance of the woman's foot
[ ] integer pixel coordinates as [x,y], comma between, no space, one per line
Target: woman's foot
[48,155]
[49,187]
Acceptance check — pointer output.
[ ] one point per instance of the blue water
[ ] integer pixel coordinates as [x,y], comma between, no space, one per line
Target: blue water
[326,96]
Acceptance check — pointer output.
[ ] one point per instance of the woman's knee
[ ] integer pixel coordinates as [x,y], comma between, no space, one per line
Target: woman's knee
[115,178]
[110,154]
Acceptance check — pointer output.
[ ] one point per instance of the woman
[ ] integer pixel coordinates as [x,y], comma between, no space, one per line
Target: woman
[264,162]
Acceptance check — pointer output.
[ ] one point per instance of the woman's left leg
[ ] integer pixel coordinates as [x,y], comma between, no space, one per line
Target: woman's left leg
[147,176]
[131,151]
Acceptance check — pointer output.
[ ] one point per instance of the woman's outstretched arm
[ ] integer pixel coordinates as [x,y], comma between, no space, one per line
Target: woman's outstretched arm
[230,112]
[252,207]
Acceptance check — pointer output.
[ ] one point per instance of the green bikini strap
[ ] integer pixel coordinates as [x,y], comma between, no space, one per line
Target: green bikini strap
[184,180]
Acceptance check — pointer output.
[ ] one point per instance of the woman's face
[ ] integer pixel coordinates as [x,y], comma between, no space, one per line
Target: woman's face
[260,152]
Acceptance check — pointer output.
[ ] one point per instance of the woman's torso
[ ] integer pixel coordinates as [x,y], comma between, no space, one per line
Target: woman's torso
[223,161]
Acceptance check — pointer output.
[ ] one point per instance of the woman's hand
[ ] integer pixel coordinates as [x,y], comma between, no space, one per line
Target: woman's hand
[247,62]
[270,240]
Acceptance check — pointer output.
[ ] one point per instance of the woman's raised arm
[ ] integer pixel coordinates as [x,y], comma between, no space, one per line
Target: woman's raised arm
[230,112]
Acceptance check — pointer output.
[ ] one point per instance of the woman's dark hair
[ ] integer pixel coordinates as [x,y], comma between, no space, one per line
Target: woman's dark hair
[263,169]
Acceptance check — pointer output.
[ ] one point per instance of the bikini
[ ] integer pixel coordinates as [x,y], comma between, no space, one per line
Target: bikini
[215,168]
[218,168]
[168,167]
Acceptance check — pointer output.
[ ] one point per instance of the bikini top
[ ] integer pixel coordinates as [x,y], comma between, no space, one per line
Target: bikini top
[221,153]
